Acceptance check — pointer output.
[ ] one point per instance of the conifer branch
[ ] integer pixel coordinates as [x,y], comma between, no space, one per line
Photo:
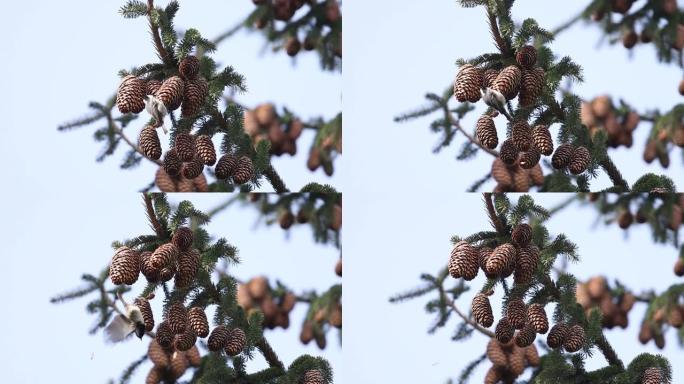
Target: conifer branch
[154,30]
[496,34]
[493,218]
[609,353]
[614,174]
[152,217]
[269,354]
[274,178]
[456,123]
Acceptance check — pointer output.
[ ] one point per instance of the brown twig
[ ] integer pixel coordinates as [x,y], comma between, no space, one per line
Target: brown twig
[154,30]
[456,123]
[493,217]
[152,217]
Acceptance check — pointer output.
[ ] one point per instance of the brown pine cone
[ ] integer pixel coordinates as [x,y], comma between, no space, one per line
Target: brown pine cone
[574,340]
[286,219]
[235,342]
[467,84]
[679,267]
[508,153]
[177,316]
[493,376]
[531,86]
[500,172]
[621,6]
[521,135]
[504,331]
[205,149]
[501,259]
[149,143]
[516,361]
[182,238]
[482,310]
[496,354]
[163,181]
[125,266]
[171,93]
[187,267]
[244,170]
[293,46]
[130,95]
[526,336]
[185,146]
[516,313]
[536,175]
[508,82]
[164,335]
[193,356]
[185,185]
[179,363]
[185,340]
[526,264]
[148,270]
[579,160]
[194,94]
[189,67]
[482,257]
[200,183]
[164,255]
[532,356]
[541,138]
[652,375]
[526,56]
[225,166]
[557,335]
[313,376]
[561,158]
[197,320]
[521,180]
[152,86]
[157,355]
[530,158]
[488,77]
[536,316]
[193,169]
[218,338]
[146,310]
[154,376]
[172,163]
[463,261]
[522,235]
[486,132]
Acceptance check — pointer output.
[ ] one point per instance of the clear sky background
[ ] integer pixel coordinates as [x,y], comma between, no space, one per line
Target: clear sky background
[396,52]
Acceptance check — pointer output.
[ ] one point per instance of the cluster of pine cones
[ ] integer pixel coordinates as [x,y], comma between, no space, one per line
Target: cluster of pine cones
[263,123]
[514,178]
[182,169]
[657,145]
[256,295]
[625,218]
[286,218]
[321,156]
[313,329]
[599,114]
[595,293]
[652,328]
[509,361]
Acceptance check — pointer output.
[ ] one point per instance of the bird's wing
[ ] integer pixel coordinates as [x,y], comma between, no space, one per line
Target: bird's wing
[118,329]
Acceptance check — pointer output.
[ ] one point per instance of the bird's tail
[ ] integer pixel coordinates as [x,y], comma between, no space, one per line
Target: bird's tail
[118,329]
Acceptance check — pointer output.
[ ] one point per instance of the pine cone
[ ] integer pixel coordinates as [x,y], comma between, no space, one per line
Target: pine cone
[157,354]
[193,356]
[171,93]
[164,255]
[579,160]
[235,342]
[496,354]
[482,310]
[526,336]
[500,172]
[187,266]
[521,180]
[574,340]
[516,361]
[185,185]
[193,169]
[130,95]
[557,335]
[526,264]
[177,316]
[516,313]
[652,375]
[536,175]
[189,67]
[561,158]
[197,320]
[182,238]
[463,261]
[163,181]
[185,146]
[149,143]
[467,84]
[155,376]
[225,166]
[172,163]
[504,331]
[166,273]
[522,235]
[185,340]
[526,56]
[313,376]
[483,256]
[152,86]
[493,376]
[501,259]
[508,82]
[205,149]
[164,335]
[536,316]
[541,138]
[194,93]
[146,310]
[179,363]
[151,273]
[486,132]
[243,171]
[218,338]
[532,356]
[531,86]
[521,135]
[530,158]
[200,183]
[508,153]
[125,266]
[488,77]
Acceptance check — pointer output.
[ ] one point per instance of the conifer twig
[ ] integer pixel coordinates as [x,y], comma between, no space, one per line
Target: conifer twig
[152,217]
[614,174]
[609,353]
[154,30]
[269,354]
[456,123]
[274,178]
[496,34]
[493,218]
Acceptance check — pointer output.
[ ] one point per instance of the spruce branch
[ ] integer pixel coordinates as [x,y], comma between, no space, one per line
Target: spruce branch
[156,37]
[614,174]
[496,34]
[491,211]
[274,178]
[269,354]
[152,217]
[609,353]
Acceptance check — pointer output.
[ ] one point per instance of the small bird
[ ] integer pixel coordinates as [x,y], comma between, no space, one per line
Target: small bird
[157,109]
[124,325]
[496,100]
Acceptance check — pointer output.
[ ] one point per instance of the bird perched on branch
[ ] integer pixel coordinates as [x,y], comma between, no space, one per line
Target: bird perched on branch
[157,109]
[123,325]
[496,100]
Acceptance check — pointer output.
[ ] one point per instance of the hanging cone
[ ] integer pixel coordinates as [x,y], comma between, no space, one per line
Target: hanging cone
[157,354]
[179,363]
[526,336]
[171,93]
[177,316]
[130,95]
[504,331]
[521,180]
[149,143]
[493,376]
[508,153]
[185,146]
[526,265]
[516,313]
[483,256]
[185,340]
[574,340]
[218,338]
[194,94]
[496,354]
[125,266]
[189,67]
[200,183]
[193,169]
[148,270]
[146,311]
[182,238]
[193,356]
[652,375]
[313,376]
[530,159]
[536,316]
[467,84]
[532,356]
[516,361]
[508,82]
[163,181]
[463,261]
[235,342]
[164,335]
[244,170]
[185,185]
[172,163]
[482,310]
[154,376]
[536,175]
[152,86]
[501,259]
[561,158]
[521,135]
[187,267]
[531,86]
[526,56]
[164,255]
[541,138]
[579,160]
[488,77]
[225,166]
[205,149]
[557,335]
[500,172]
[197,320]
[486,132]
